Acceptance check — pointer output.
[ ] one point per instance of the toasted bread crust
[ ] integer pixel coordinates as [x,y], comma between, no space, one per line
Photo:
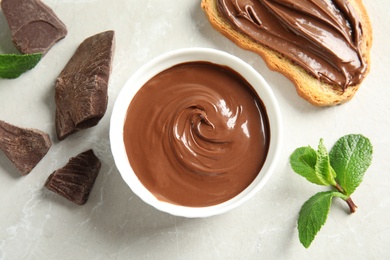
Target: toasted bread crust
[307,86]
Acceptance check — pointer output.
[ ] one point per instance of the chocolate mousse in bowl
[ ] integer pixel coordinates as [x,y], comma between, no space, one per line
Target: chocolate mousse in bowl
[196,132]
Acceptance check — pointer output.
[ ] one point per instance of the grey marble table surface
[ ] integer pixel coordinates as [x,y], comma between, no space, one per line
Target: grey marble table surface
[115,224]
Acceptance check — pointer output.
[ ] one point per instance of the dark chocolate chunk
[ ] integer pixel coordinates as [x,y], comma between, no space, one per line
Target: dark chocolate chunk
[75,180]
[34,26]
[24,147]
[81,88]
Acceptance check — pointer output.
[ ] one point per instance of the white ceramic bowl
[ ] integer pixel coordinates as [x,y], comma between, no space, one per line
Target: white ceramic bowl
[166,61]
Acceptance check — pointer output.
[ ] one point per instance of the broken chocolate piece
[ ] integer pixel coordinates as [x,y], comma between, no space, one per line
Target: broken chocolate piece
[34,26]
[24,147]
[75,180]
[81,88]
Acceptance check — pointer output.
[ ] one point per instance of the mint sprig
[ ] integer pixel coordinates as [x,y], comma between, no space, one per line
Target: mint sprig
[13,65]
[342,169]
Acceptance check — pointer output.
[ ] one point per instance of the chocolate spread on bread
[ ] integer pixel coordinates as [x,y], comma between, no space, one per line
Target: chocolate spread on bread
[24,147]
[81,88]
[196,134]
[75,180]
[35,28]
[323,37]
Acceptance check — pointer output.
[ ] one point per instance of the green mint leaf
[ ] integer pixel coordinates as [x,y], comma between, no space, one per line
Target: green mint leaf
[313,165]
[350,157]
[303,161]
[313,215]
[323,165]
[13,65]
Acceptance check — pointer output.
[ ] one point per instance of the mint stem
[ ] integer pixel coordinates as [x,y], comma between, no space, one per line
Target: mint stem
[352,206]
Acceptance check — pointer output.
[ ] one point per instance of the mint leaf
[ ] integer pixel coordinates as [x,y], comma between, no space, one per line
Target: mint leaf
[350,157]
[323,167]
[13,65]
[313,215]
[313,165]
[303,161]
[343,168]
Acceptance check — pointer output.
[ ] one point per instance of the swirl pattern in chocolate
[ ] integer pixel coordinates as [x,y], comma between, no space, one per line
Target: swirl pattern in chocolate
[196,134]
[323,37]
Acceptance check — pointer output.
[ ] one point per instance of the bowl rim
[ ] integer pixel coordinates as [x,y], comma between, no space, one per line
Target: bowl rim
[165,61]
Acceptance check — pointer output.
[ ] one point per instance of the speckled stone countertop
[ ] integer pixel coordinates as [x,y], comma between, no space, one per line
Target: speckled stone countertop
[115,224]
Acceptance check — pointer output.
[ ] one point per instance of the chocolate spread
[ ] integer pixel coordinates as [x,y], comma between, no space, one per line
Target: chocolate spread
[321,36]
[196,134]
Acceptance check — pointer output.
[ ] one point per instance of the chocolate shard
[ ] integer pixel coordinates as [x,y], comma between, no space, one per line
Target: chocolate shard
[34,26]
[24,147]
[81,88]
[75,180]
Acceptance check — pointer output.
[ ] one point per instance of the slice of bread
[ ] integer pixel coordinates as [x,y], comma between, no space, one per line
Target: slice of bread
[308,87]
